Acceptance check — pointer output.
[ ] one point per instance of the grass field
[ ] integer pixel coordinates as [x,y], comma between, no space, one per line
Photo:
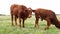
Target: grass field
[6,28]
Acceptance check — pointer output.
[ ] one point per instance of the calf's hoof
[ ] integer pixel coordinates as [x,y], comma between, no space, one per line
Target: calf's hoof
[46,28]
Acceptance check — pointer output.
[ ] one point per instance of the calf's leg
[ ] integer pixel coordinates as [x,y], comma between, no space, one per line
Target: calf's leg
[23,23]
[19,21]
[36,22]
[12,19]
[16,20]
[48,23]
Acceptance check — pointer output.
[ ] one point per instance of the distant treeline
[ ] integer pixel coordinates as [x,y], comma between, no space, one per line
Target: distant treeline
[58,14]
[2,15]
[9,15]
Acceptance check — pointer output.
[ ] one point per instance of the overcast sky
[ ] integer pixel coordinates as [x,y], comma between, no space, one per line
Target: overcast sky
[47,4]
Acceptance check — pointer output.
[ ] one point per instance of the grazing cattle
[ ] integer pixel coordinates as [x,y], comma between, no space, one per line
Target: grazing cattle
[20,12]
[47,15]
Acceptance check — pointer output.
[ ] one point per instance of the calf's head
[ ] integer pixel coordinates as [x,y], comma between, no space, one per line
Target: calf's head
[29,12]
[58,25]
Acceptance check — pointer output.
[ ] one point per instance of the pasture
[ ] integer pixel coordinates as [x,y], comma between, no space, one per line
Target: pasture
[6,28]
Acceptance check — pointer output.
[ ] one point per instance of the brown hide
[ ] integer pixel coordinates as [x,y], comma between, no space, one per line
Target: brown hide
[47,15]
[20,12]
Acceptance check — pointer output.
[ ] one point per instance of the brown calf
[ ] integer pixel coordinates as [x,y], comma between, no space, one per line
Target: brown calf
[20,12]
[47,15]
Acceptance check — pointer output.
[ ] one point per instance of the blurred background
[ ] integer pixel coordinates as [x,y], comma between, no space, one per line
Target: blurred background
[53,5]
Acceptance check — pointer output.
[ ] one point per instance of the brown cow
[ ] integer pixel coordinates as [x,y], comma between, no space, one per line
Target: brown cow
[47,15]
[21,12]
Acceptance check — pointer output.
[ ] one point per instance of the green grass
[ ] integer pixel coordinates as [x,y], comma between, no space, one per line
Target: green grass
[6,28]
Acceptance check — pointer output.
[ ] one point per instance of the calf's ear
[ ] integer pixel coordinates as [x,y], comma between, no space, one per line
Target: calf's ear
[26,10]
